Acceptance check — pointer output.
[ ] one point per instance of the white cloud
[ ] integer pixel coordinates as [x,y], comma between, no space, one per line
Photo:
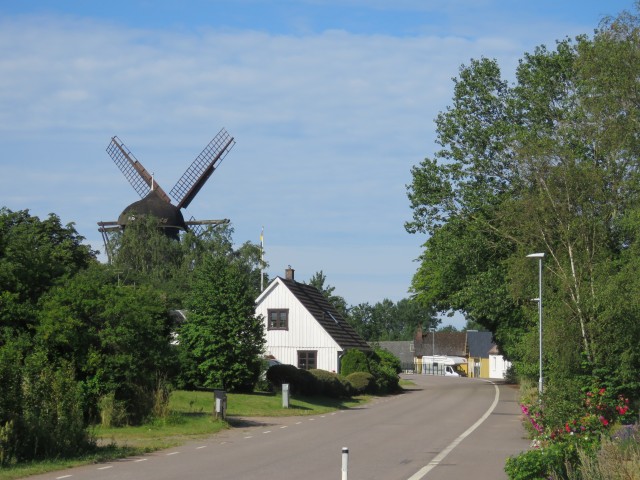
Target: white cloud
[327,125]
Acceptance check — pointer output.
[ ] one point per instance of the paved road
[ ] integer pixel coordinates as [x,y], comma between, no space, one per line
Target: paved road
[443,428]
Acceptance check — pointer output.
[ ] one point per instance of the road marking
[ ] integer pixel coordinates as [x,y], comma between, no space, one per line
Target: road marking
[438,458]
[267,431]
[203,446]
[298,423]
[172,453]
[250,436]
[140,460]
[105,468]
[64,476]
[284,426]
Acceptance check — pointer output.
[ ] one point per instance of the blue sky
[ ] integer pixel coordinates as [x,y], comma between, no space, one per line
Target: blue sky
[330,102]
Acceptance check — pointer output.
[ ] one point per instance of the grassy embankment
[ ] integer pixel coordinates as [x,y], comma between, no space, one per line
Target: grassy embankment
[190,417]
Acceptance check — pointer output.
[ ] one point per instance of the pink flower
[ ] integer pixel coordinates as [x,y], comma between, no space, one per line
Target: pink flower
[566,427]
[604,421]
[602,391]
[622,410]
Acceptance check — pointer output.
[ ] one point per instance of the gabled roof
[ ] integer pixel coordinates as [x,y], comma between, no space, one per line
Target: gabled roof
[443,343]
[402,349]
[479,343]
[326,315]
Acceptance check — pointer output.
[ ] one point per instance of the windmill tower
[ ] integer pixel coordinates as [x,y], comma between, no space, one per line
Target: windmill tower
[154,201]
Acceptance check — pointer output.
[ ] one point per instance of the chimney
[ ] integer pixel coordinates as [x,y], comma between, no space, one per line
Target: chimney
[288,273]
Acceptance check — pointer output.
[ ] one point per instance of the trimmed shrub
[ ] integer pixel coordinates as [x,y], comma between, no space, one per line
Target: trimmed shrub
[329,384]
[362,382]
[353,361]
[300,381]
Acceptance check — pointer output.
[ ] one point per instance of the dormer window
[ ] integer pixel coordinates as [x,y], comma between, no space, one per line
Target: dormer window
[278,319]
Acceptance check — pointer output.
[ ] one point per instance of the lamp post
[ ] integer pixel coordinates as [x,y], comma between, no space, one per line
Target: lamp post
[539,256]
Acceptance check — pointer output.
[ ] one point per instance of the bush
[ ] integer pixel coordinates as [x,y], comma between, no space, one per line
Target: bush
[329,384]
[113,413]
[570,445]
[48,420]
[362,382]
[353,361]
[300,381]
[538,464]
[385,367]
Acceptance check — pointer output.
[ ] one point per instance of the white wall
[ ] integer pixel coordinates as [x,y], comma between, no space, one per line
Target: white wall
[304,332]
[498,366]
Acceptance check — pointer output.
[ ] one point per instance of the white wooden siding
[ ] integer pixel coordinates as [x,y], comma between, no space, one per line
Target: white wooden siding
[304,332]
[498,366]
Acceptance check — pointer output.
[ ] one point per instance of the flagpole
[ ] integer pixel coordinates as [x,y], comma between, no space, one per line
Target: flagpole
[262,260]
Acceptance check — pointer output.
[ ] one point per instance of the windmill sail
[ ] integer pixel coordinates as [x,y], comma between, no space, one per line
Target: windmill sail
[139,178]
[201,169]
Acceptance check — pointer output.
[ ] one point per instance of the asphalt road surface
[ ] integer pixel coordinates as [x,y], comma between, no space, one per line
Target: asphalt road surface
[442,428]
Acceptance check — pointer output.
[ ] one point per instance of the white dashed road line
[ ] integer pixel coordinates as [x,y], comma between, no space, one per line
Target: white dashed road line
[201,447]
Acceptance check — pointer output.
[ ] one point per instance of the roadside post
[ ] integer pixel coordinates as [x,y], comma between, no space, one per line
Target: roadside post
[220,411]
[285,395]
[345,463]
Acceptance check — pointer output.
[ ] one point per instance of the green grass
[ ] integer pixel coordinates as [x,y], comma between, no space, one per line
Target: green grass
[190,417]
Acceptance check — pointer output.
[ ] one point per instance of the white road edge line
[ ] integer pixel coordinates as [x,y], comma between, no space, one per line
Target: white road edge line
[438,458]
[63,476]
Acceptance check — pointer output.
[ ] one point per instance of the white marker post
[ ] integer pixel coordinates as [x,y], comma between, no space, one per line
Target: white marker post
[285,395]
[345,462]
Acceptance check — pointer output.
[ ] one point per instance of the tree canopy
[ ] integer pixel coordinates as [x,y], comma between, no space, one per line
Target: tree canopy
[547,164]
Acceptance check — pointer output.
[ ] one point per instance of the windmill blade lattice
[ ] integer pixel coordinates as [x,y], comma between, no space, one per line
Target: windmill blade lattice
[138,176]
[201,169]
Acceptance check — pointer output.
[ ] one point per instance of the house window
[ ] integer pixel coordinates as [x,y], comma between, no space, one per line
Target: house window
[307,359]
[278,319]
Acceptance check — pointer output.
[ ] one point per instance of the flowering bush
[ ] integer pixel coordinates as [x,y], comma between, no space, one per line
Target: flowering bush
[555,446]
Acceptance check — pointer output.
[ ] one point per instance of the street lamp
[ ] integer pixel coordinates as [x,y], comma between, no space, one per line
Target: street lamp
[539,256]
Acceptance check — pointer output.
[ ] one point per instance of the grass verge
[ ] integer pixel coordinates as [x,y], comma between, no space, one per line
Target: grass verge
[190,417]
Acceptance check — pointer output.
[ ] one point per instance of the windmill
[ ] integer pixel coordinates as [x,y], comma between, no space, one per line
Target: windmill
[154,201]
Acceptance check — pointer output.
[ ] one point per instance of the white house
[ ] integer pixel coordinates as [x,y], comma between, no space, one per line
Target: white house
[302,327]
[498,366]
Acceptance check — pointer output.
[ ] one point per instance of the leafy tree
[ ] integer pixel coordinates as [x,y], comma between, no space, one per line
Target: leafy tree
[115,335]
[34,255]
[391,321]
[549,164]
[361,319]
[221,333]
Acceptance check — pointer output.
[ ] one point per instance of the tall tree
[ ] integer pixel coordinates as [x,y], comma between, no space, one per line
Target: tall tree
[221,333]
[549,165]
[115,334]
[34,255]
